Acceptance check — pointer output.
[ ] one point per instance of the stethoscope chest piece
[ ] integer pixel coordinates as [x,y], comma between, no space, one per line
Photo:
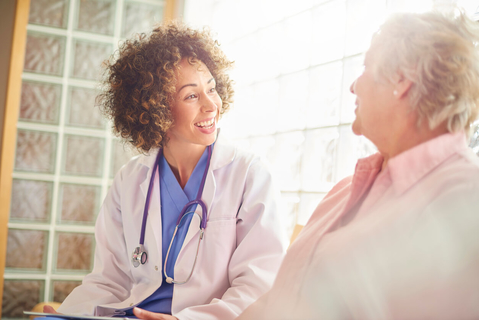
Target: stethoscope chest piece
[139,256]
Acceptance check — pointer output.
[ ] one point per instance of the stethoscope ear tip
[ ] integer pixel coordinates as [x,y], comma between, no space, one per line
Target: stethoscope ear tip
[169,280]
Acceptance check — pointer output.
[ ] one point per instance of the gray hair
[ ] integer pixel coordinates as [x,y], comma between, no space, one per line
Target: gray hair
[438,52]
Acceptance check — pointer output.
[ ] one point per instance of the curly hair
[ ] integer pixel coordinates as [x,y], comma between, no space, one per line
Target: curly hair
[138,88]
[439,53]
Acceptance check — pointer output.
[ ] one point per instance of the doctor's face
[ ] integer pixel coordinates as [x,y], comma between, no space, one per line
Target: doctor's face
[197,105]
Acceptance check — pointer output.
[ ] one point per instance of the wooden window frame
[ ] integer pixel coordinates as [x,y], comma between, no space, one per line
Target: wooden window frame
[10,119]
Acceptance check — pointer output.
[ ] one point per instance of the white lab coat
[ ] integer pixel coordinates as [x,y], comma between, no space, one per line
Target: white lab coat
[242,249]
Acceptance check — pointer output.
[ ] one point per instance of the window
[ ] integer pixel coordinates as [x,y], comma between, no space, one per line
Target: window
[295,62]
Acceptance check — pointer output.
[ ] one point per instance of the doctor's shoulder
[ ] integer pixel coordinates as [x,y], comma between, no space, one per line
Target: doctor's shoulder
[260,199]
[249,162]
[137,167]
[245,154]
[128,178]
[255,175]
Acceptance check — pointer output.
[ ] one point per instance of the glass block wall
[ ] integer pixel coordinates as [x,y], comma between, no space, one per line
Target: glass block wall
[65,156]
[295,62]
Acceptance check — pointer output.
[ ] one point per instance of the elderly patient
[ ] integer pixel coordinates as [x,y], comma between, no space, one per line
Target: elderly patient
[400,238]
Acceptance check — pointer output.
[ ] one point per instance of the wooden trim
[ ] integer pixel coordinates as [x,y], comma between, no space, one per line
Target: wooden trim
[172,8]
[169,13]
[12,102]
[296,231]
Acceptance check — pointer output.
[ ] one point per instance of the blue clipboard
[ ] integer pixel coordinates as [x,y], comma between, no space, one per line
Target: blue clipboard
[72,316]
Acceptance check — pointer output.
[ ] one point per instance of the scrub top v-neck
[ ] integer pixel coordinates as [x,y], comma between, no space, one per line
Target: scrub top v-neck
[173,199]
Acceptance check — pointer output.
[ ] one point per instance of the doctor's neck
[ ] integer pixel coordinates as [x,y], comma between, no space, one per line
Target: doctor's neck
[182,158]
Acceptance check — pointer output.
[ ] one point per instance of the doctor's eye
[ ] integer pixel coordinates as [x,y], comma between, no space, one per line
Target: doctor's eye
[191,96]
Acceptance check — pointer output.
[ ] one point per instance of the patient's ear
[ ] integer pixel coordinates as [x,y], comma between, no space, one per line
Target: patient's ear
[401,86]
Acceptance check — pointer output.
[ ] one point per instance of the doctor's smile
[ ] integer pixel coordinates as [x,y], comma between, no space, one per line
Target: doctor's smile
[206,124]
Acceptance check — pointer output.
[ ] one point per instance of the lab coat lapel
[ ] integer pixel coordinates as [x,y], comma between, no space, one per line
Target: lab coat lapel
[223,154]
[207,197]
[153,223]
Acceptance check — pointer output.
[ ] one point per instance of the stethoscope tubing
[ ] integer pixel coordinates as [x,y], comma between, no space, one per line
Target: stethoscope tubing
[148,196]
[189,204]
[140,255]
[170,280]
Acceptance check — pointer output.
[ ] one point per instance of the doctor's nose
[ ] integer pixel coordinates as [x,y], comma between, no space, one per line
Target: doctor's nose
[210,105]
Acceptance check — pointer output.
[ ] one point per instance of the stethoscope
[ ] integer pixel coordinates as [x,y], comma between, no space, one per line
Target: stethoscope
[140,255]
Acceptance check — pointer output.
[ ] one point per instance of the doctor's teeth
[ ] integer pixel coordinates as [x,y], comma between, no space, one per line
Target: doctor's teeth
[205,123]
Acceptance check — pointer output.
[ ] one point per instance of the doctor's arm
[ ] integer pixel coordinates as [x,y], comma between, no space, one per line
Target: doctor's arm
[110,280]
[261,243]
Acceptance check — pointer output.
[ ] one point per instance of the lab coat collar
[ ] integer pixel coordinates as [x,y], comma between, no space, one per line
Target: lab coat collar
[219,159]
[223,154]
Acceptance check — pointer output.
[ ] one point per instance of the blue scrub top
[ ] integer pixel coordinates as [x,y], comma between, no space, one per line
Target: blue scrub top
[173,199]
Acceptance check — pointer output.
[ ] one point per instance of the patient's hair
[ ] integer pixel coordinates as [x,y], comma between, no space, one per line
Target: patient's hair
[140,78]
[438,52]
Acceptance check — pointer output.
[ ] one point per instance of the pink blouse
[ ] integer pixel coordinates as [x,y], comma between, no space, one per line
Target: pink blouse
[402,243]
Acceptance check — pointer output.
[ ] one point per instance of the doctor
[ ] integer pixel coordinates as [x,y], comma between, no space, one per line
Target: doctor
[157,255]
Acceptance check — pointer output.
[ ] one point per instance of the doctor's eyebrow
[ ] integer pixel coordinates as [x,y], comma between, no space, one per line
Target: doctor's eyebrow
[194,84]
